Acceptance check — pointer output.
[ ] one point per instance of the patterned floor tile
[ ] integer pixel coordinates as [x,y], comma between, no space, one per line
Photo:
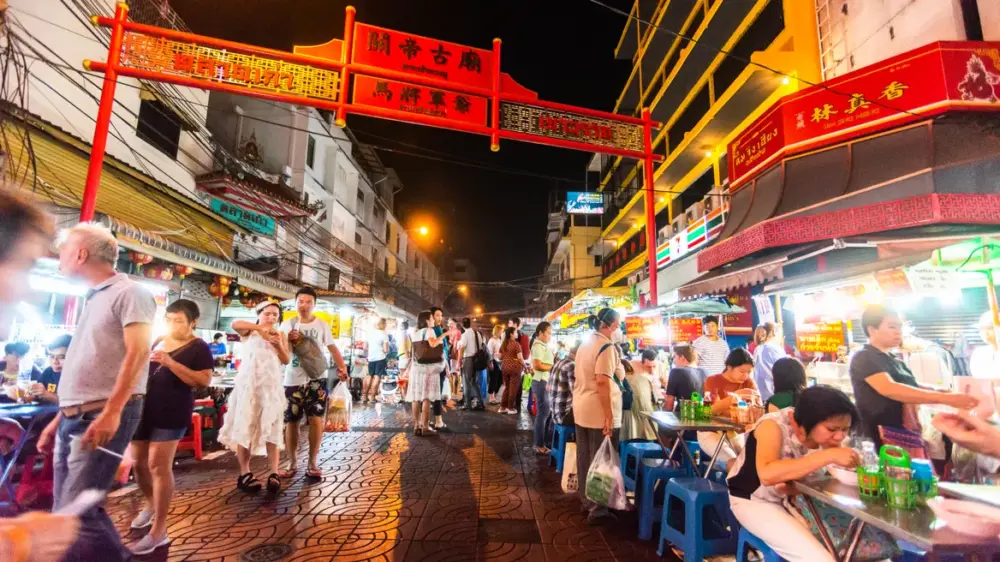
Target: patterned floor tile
[578,553]
[560,533]
[435,551]
[507,531]
[510,552]
[455,531]
[357,550]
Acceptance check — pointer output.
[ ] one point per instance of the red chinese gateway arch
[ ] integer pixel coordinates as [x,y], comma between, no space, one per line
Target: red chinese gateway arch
[395,75]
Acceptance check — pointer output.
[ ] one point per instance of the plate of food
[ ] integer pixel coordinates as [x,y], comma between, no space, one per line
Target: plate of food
[845,476]
[966,517]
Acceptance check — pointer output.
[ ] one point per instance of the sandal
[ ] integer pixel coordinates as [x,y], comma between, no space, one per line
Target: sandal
[314,473]
[287,473]
[273,484]
[418,431]
[247,483]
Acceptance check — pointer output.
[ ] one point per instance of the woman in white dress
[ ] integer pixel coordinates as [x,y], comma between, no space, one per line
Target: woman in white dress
[254,423]
[425,381]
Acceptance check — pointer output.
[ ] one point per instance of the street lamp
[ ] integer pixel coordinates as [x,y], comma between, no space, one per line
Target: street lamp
[493,319]
[478,310]
[463,289]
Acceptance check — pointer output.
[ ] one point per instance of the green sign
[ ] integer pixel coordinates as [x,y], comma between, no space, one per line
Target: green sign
[251,220]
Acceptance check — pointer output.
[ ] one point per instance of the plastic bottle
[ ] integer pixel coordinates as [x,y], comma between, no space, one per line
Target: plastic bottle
[24,376]
[869,458]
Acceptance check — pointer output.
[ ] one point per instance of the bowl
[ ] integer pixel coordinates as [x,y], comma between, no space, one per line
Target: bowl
[966,517]
[843,475]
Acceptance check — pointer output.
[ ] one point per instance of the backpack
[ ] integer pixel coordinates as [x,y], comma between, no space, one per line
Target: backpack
[626,389]
[309,354]
[481,359]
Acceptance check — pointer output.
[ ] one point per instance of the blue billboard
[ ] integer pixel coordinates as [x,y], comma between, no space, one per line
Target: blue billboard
[584,203]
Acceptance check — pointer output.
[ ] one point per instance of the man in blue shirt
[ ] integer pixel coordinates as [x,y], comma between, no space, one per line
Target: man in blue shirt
[218,345]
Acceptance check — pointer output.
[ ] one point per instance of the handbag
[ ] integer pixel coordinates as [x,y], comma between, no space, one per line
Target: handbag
[626,389]
[425,354]
[309,355]
[481,359]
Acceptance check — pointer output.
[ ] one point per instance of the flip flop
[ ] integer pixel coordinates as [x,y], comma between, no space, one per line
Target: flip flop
[287,473]
[314,473]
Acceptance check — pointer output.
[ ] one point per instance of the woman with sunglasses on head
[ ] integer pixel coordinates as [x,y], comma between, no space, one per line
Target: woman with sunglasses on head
[254,423]
[180,363]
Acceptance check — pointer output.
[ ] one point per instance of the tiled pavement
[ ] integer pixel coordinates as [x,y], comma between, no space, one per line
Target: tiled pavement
[476,492]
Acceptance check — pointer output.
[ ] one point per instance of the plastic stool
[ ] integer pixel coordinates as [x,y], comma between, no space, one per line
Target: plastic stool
[560,436]
[193,442]
[748,539]
[696,518]
[912,553]
[654,471]
[632,455]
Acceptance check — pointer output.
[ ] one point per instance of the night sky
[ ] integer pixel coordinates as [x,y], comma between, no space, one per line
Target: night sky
[563,49]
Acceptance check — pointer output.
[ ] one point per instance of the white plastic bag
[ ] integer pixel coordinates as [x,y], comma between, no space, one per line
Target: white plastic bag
[570,482]
[338,409]
[605,485]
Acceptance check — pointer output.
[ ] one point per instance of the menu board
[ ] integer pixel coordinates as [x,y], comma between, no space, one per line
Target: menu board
[685,330]
[819,337]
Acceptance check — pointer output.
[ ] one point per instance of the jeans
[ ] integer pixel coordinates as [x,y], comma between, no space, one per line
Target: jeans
[438,409]
[543,419]
[588,441]
[77,470]
[470,383]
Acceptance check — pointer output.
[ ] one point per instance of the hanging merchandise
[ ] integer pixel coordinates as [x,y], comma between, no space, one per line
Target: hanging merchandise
[183,271]
[159,272]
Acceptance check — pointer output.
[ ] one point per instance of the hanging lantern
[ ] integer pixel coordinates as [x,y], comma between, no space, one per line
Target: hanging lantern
[151,272]
[244,291]
[217,290]
[223,280]
[139,259]
[183,271]
[164,273]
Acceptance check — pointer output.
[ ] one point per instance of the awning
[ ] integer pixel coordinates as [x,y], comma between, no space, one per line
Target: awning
[158,247]
[754,273]
[931,175]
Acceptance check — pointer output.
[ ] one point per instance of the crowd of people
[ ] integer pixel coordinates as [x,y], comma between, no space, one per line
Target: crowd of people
[115,386]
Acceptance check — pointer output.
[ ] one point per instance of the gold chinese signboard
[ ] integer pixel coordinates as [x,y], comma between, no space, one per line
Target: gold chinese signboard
[155,54]
[819,337]
[541,122]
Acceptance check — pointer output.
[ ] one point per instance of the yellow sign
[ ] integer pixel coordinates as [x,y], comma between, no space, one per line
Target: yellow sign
[156,54]
[819,337]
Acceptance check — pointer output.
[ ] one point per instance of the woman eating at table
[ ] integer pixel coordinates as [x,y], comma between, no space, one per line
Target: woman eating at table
[726,389]
[180,363]
[779,450]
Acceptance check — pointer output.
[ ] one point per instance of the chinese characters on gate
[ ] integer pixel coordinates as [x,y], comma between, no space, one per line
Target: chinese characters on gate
[413,98]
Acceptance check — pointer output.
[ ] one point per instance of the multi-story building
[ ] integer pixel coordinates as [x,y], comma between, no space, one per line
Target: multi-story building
[462,269]
[349,238]
[703,97]
[571,267]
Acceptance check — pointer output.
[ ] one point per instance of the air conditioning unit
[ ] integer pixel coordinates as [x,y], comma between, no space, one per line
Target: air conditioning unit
[714,198]
[695,212]
[680,223]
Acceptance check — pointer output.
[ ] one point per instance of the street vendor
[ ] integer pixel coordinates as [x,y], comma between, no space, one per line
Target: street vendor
[885,389]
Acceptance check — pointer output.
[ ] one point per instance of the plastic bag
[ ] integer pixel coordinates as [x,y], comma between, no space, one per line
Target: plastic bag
[605,484]
[570,483]
[338,409]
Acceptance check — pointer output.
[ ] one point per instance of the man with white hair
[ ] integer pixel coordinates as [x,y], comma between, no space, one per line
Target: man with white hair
[102,385]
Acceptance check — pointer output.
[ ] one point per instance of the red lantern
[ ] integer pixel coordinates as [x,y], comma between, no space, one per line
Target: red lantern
[216,290]
[139,259]
[151,272]
[223,280]
[183,271]
[164,273]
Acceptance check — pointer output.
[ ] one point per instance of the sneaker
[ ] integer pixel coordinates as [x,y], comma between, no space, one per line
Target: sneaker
[512,412]
[143,520]
[149,543]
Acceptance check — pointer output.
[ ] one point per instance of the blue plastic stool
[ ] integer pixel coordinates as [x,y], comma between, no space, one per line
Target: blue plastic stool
[654,471]
[748,539]
[560,436]
[912,553]
[680,457]
[696,518]
[632,455]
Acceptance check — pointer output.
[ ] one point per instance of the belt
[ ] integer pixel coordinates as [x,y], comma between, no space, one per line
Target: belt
[87,407]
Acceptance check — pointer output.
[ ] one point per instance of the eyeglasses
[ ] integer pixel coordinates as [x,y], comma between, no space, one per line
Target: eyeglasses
[57,357]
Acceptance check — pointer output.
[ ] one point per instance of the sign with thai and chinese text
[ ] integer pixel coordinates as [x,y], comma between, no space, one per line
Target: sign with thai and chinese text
[819,337]
[648,328]
[413,54]
[411,98]
[251,220]
[156,54]
[562,125]
[914,85]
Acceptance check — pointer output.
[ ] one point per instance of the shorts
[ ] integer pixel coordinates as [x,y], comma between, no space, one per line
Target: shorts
[377,368]
[146,432]
[306,400]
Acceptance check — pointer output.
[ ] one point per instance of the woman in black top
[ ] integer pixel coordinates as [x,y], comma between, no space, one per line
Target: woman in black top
[183,362]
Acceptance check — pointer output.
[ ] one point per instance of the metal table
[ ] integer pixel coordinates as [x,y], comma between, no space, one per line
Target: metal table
[20,412]
[918,526]
[670,423]
[972,492]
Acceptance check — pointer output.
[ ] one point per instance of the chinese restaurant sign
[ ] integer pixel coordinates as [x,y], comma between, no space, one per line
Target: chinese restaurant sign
[400,96]
[685,330]
[741,323]
[914,85]
[156,54]
[251,220]
[548,123]
[413,54]
[819,337]
[649,328]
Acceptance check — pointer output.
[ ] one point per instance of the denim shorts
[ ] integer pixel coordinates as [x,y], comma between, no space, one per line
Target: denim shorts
[146,432]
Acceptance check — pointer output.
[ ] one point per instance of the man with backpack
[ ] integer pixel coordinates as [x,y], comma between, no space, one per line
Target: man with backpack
[306,384]
[475,358]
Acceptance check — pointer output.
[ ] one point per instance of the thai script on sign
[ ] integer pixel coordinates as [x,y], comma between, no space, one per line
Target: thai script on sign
[156,54]
[569,126]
